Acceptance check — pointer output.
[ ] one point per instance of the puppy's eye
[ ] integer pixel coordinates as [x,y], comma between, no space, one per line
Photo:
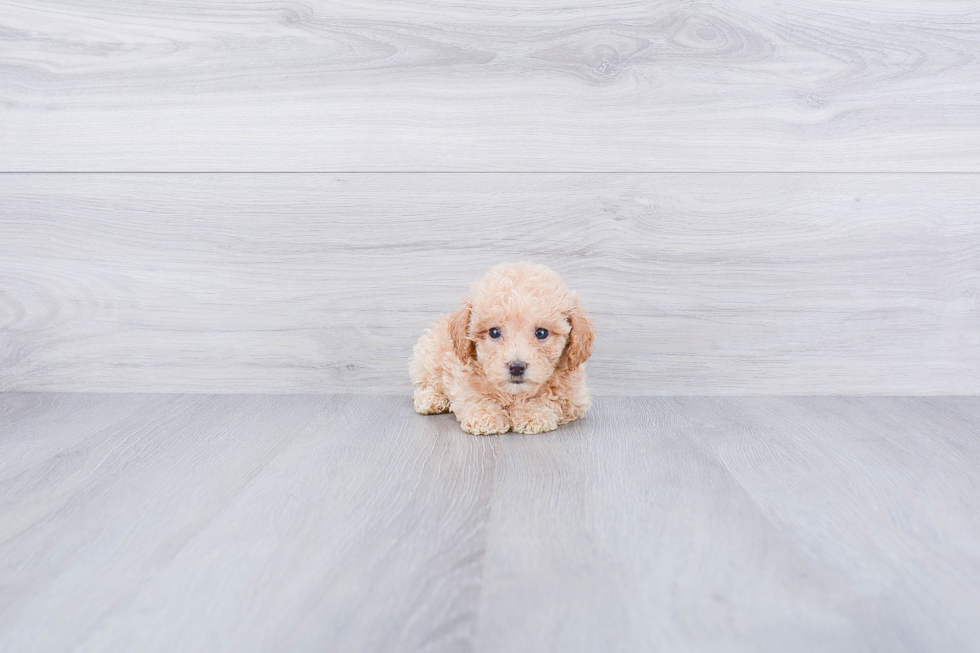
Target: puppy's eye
[541,334]
[494,333]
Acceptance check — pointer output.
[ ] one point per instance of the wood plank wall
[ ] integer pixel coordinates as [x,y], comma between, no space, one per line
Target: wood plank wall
[752,197]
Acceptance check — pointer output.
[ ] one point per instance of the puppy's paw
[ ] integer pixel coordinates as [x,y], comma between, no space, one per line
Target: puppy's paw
[534,421]
[485,422]
[430,402]
[574,413]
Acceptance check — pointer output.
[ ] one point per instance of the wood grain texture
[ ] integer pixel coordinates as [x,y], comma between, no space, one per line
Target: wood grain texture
[739,524]
[711,284]
[154,532]
[343,523]
[825,85]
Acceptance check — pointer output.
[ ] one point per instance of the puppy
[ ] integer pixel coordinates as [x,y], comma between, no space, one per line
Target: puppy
[510,358]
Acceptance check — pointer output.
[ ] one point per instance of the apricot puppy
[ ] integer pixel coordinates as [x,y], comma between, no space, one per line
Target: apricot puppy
[510,358]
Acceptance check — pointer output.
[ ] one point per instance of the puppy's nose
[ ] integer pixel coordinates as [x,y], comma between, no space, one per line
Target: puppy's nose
[517,368]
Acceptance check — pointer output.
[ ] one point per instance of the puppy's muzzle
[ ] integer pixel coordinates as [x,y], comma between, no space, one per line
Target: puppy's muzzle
[517,369]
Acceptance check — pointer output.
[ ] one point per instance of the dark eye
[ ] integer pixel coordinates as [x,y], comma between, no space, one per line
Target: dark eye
[494,333]
[541,334]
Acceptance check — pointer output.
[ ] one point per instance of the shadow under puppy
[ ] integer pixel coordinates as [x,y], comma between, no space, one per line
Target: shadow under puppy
[510,358]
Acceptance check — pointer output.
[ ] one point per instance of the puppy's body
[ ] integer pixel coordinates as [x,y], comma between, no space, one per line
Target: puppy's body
[510,358]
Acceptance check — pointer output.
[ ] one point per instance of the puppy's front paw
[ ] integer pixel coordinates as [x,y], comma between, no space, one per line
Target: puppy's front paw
[485,422]
[430,402]
[575,412]
[534,421]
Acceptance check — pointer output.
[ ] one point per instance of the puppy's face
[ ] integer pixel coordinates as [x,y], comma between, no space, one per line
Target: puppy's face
[518,326]
[519,351]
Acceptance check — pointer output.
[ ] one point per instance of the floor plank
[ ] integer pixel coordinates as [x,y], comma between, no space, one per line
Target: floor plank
[744,524]
[699,284]
[668,85]
[175,517]
[176,522]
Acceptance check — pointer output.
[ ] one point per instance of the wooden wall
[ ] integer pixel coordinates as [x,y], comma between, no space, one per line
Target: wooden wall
[752,197]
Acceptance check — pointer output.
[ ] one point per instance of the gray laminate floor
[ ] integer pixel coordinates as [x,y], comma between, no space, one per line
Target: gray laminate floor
[348,523]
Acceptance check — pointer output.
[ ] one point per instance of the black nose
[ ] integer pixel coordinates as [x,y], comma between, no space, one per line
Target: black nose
[517,368]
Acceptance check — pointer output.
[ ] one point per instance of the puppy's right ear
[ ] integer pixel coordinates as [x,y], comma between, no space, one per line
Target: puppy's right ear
[459,327]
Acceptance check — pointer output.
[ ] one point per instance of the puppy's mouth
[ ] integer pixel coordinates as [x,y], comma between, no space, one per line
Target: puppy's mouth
[519,386]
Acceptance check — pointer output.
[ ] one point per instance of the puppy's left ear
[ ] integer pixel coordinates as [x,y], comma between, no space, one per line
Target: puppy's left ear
[580,338]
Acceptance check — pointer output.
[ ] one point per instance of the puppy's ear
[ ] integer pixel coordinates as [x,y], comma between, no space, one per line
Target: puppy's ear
[580,339]
[459,326]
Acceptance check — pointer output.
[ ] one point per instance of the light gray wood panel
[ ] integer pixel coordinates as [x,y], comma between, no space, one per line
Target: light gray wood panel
[97,517]
[245,523]
[549,86]
[250,523]
[739,524]
[712,284]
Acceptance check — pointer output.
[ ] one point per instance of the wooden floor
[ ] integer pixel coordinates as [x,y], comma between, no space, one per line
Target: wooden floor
[348,523]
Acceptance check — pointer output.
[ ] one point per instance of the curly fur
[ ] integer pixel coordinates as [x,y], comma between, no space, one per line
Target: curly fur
[457,367]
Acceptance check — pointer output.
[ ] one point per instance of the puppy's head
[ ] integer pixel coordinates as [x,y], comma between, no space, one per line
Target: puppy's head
[520,325]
